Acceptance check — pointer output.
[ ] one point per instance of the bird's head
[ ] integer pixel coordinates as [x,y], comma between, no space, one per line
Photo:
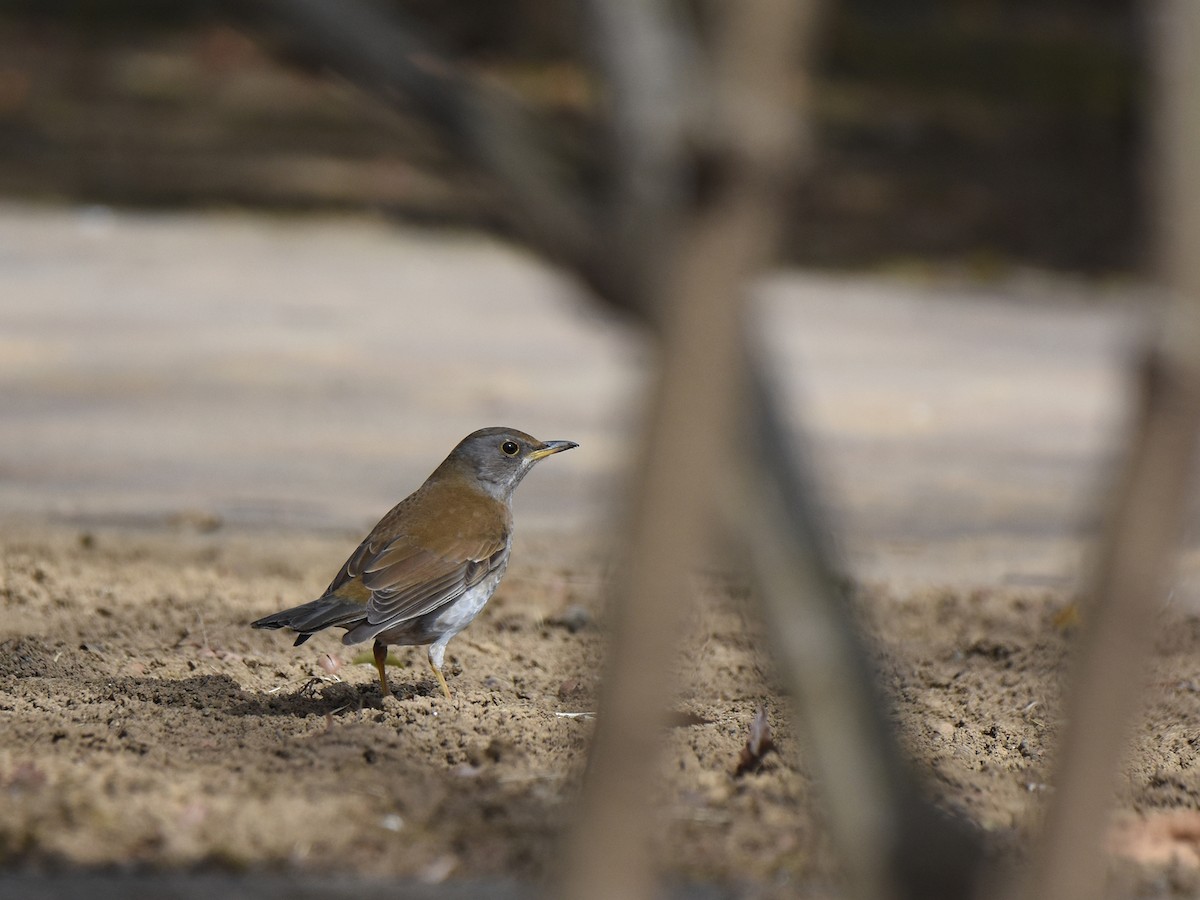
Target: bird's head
[498,458]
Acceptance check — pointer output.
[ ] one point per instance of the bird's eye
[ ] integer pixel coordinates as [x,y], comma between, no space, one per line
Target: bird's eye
[510,448]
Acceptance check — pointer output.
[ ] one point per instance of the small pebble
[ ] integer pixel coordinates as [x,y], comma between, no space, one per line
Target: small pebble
[574,618]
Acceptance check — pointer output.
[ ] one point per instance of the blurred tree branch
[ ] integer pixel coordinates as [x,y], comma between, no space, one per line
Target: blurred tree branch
[387,57]
[698,269]
[896,842]
[1132,572]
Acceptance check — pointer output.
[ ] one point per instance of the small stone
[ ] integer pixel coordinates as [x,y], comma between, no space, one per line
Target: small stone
[574,618]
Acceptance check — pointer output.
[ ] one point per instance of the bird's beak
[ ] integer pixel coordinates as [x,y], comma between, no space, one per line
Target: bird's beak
[550,448]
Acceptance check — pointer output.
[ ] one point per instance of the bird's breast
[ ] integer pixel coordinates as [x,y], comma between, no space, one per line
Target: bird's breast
[458,515]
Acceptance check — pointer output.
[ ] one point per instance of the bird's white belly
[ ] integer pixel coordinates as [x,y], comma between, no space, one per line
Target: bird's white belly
[458,615]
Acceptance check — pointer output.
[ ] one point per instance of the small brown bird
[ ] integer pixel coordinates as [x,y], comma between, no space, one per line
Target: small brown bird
[429,566]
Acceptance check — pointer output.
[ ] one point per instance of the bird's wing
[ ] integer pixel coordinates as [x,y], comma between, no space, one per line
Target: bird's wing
[343,581]
[409,565]
[407,581]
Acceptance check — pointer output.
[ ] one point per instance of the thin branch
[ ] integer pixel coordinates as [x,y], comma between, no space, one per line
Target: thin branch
[1132,574]
[894,843]
[645,60]
[386,56]
[727,234]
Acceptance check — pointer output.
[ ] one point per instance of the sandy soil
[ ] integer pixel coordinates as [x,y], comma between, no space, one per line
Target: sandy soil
[145,724]
[203,414]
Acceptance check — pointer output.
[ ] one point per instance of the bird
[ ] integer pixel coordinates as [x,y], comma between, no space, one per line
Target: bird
[430,565]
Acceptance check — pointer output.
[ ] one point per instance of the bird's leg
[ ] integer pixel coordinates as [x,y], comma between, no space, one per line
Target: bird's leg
[380,650]
[435,662]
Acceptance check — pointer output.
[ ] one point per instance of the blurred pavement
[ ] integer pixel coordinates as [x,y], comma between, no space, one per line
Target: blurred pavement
[310,372]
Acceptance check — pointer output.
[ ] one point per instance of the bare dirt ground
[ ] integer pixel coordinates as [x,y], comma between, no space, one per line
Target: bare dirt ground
[202,418]
[145,725]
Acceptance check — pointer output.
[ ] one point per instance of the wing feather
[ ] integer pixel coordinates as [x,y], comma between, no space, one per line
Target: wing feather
[412,563]
[421,582]
[354,566]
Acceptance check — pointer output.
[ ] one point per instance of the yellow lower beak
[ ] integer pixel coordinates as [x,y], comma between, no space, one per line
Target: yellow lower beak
[550,448]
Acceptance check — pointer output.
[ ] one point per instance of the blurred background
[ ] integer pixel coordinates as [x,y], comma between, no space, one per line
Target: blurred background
[239,296]
[234,289]
[984,133]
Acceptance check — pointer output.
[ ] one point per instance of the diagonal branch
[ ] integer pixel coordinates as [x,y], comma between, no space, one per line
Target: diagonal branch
[893,841]
[644,56]
[499,137]
[1142,535]
[724,235]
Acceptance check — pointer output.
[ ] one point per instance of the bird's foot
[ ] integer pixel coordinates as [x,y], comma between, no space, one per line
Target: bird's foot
[441,679]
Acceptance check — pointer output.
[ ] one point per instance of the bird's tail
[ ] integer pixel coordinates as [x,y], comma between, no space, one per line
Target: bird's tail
[309,618]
